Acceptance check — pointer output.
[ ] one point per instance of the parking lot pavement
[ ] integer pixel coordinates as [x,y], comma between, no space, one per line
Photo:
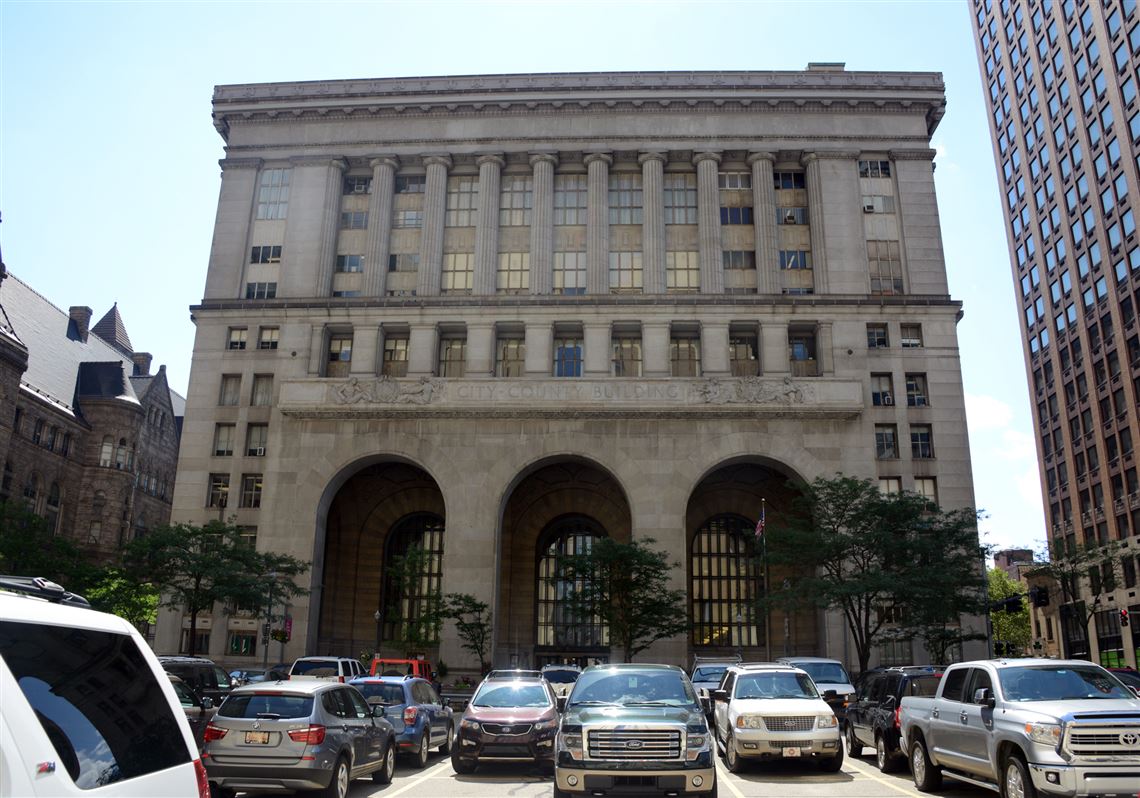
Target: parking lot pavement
[858,779]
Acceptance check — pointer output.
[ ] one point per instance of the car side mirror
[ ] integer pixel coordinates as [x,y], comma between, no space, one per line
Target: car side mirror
[562,703]
[445,701]
[719,695]
[985,697]
[378,710]
[706,703]
[207,703]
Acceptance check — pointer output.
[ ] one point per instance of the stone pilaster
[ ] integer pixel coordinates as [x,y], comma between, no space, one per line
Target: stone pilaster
[764,220]
[480,350]
[708,222]
[655,349]
[379,225]
[542,224]
[597,355]
[487,225]
[330,224]
[598,223]
[365,339]
[431,238]
[774,348]
[423,350]
[653,222]
[539,350]
[229,250]
[814,183]
[825,348]
[714,349]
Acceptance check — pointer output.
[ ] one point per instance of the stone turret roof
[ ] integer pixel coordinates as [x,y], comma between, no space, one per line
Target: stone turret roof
[112,330]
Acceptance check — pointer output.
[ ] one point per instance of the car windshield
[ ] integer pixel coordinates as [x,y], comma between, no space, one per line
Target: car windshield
[1130,678]
[1052,683]
[785,684]
[709,673]
[825,672]
[514,694]
[266,705]
[605,686]
[315,667]
[381,692]
[561,676]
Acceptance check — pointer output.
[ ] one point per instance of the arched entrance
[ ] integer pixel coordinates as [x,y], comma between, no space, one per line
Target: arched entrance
[556,509]
[377,515]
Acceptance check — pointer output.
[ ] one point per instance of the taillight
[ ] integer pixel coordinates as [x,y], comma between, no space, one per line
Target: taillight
[314,735]
[340,679]
[898,714]
[410,714]
[213,733]
[203,782]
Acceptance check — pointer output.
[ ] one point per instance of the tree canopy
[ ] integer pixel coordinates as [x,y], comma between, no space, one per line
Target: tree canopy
[1072,566]
[1010,628]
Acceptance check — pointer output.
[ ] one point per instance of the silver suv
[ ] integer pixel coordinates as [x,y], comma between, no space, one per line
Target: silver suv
[297,735]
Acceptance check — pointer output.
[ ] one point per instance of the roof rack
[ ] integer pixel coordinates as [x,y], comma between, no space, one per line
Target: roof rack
[42,588]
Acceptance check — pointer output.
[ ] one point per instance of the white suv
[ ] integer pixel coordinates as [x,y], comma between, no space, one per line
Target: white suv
[87,709]
[772,711]
[331,669]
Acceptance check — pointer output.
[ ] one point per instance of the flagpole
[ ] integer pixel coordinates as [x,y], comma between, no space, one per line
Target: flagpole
[767,582]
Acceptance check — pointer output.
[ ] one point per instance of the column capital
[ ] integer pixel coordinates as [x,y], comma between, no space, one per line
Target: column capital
[385,160]
[604,157]
[240,163]
[706,156]
[912,155]
[753,157]
[543,157]
[823,155]
[441,159]
[652,155]
[319,160]
[491,157]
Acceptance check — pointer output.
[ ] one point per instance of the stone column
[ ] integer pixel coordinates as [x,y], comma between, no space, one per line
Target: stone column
[597,357]
[229,251]
[825,348]
[487,225]
[542,224]
[379,225]
[330,224]
[774,348]
[598,223]
[655,349]
[653,222]
[814,183]
[431,237]
[714,350]
[539,350]
[365,339]
[423,350]
[764,219]
[480,349]
[708,222]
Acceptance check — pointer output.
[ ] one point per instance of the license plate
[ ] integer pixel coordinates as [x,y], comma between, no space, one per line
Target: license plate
[793,752]
[260,738]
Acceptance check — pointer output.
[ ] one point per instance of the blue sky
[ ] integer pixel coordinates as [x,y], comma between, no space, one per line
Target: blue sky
[108,157]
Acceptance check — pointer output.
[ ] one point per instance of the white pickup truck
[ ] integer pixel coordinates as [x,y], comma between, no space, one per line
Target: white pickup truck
[1025,727]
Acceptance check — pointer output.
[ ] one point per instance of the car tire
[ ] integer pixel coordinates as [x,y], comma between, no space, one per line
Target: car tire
[884,758]
[462,766]
[1015,779]
[217,791]
[927,776]
[338,784]
[732,759]
[449,742]
[854,747]
[833,764]
[421,756]
[388,768]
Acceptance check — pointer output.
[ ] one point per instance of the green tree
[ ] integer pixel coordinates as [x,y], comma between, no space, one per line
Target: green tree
[114,591]
[626,587]
[195,567]
[895,566]
[1012,628]
[28,548]
[1071,568]
[472,623]
[417,615]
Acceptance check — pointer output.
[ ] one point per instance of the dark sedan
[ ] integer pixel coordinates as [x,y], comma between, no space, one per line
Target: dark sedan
[422,719]
[508,720]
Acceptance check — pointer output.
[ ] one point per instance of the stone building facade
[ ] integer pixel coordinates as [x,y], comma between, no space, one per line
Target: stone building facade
[497,316]
[90,436]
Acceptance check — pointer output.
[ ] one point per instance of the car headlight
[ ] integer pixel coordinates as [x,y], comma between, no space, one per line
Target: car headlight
[570,742]
[697,741]
[827,722]
[546,725]
[469,725]
[749,722]
[1044,733]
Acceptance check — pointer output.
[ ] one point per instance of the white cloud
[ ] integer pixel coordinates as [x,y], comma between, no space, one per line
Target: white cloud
[987,412]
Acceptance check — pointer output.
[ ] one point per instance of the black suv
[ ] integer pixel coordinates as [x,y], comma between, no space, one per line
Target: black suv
[207,679]
[873,714]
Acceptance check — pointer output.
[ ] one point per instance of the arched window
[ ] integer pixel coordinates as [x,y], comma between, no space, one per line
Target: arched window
[38,431]
[33,493]
[406,606]
[557,626]
[65,448]
[725,582]
[54,500]
[121,454]
[107,453]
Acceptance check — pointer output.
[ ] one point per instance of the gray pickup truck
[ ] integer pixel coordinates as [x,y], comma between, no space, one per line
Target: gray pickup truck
[1024,727]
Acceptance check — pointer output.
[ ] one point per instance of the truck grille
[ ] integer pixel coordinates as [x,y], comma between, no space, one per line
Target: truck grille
[1108,739]
[638,744]
[790,724]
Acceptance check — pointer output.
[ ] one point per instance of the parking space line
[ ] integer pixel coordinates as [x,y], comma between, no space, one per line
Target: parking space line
[867,772]
[722,775]
[427,774]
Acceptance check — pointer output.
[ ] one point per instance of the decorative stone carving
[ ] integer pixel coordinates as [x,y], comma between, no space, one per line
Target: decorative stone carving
[385,390]
[755,390]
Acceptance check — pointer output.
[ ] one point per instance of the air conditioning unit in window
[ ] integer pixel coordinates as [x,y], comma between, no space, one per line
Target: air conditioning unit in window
[887,400]
[259,451]
[868,207]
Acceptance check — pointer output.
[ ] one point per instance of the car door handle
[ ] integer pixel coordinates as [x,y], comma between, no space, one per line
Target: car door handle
[934,713]
[964,718]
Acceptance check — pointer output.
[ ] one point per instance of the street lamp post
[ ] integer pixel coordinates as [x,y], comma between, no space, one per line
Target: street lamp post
[377,616]
[740,634]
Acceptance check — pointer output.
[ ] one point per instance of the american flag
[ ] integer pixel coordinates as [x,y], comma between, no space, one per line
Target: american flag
[760,523]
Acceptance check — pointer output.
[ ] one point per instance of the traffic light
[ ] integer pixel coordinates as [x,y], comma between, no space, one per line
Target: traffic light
[1123,617]
[999,648]
[1039,596]
[1011,603]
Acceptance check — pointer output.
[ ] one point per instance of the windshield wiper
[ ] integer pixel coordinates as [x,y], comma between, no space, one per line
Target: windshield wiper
[651,704]
[594,703]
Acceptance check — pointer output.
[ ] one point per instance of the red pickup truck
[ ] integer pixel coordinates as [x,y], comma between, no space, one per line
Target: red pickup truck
[383,666]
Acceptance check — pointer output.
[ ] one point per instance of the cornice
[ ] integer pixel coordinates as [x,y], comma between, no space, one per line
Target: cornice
[240,163]
[924,154]
[319,160]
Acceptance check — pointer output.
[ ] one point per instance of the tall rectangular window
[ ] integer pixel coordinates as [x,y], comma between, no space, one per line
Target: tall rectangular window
[681,198]
[339,356]
[927,487]
[458,273]
[251,485]
[570,193]
[627,354]
[921,442]
[237,338]
[218,491]
[685,355]
[916,393]
[230,390]
[744,354]
[911,335]
[452,356]
[268,337]
[395,355]
[886,442]
[462,193]
[625,271]
[516,198]
[569,272]
[886,267]
[256,437]
[513,275]
[625,198]
[877,336]
[273,194]
[682,272]
[567,356]
[801,353]
[262,394]
[890,485]
[882,390]
[510,356]
[223,440]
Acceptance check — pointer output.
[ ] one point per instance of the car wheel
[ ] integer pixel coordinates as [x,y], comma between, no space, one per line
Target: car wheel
[460,765]
[217,791]
[884,758]
[421,759]
[1015,780]
[854,747]
[338,785]
[731,758]
[833,763]
[388,769]
[450,741]
[927,776]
